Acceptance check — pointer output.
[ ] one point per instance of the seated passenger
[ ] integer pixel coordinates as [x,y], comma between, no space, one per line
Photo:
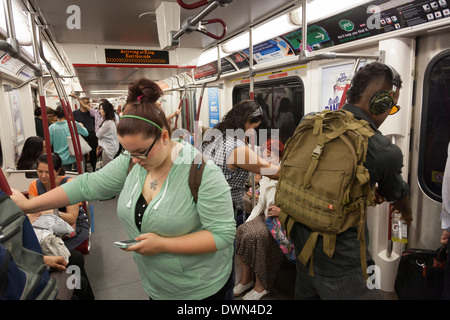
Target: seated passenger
[72,214]
[32,149]
[256,248]
[59,264]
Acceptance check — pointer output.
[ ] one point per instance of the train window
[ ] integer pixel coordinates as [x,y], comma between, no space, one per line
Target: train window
[435,131]
[282,102]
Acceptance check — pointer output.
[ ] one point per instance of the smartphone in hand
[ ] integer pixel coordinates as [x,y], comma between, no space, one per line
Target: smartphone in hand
[125,243]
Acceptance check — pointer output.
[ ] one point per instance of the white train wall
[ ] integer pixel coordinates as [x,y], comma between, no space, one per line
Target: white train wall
[398,52]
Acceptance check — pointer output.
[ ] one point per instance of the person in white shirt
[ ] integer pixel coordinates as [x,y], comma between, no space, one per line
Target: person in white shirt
[257,250]
[445,222]
[107,133]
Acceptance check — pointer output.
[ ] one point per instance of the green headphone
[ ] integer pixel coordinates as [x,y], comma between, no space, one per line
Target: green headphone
[384,100]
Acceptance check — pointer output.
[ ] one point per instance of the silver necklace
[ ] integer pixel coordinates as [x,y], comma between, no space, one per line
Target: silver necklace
[154,183]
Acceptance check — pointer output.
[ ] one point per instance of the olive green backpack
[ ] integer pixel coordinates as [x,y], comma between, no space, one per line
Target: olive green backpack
[323,183]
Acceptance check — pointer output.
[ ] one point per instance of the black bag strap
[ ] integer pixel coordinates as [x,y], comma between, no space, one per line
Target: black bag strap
[130,166]
[196,173]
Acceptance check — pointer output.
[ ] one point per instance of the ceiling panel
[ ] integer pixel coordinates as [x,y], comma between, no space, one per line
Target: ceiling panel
[117,22]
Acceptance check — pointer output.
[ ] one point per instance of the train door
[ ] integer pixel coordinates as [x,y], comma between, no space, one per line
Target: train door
[282,102]
[430,139]
[16,114]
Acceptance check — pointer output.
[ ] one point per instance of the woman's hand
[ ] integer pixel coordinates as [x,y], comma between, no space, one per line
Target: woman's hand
[274,211]
[55,262]
[444,238]
[20,200]
[34,216]
[149,244]
[192,243]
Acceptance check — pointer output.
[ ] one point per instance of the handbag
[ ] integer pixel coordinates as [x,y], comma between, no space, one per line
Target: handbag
[420,274]
[85,147]
[277,232]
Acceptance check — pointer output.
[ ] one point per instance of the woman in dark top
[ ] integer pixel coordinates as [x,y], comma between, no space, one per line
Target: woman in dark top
[32,149]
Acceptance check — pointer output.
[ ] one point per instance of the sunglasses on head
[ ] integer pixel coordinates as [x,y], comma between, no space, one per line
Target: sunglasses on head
[394,109]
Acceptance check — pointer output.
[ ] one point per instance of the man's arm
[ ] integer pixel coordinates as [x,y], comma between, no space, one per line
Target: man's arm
[86,105]
[404,208]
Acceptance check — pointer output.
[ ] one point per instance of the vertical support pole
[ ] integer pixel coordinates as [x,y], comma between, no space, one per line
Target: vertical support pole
[4,185]
[251,68]
[186,101]
[304,28]
[35,38]
[252,97]
[349,81]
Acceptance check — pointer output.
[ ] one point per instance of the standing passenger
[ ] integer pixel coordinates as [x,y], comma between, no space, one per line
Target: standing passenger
[185,249]
[38,122]
[340,276]
[59,131]
[226,146]
[107,133]
[95,113]
[83,115]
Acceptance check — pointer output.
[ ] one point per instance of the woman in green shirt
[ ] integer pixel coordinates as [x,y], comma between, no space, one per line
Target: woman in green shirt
[185,249]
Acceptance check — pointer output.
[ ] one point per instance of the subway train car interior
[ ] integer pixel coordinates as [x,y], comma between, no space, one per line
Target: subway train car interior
[208,57]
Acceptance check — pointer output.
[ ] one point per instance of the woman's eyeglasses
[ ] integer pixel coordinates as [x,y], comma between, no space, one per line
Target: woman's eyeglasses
[140,156]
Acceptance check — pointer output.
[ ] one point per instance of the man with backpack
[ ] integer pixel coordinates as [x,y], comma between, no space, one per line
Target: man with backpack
[328,231]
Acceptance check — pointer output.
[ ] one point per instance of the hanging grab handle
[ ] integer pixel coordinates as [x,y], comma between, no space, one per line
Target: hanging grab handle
[193,5]
[204,31]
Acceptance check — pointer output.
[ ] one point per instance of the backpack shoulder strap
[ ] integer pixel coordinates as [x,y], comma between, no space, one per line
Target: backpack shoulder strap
[130,166]
[64,180]
[196,173]
[40,187]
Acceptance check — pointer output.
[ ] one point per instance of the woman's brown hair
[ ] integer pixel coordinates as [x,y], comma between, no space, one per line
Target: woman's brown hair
[141,102]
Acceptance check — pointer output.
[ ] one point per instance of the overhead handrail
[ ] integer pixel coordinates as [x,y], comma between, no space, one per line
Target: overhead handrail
[11,45]
[209,34]
[193,5]
[35,78]
[192,24]
[306,57]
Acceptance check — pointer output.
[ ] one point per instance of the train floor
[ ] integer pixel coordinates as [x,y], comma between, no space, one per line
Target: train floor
[113,274]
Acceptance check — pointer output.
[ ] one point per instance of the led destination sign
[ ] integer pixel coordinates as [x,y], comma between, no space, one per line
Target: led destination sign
[136,56]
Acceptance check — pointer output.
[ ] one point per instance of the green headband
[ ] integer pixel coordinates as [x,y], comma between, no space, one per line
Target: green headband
[140,118]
